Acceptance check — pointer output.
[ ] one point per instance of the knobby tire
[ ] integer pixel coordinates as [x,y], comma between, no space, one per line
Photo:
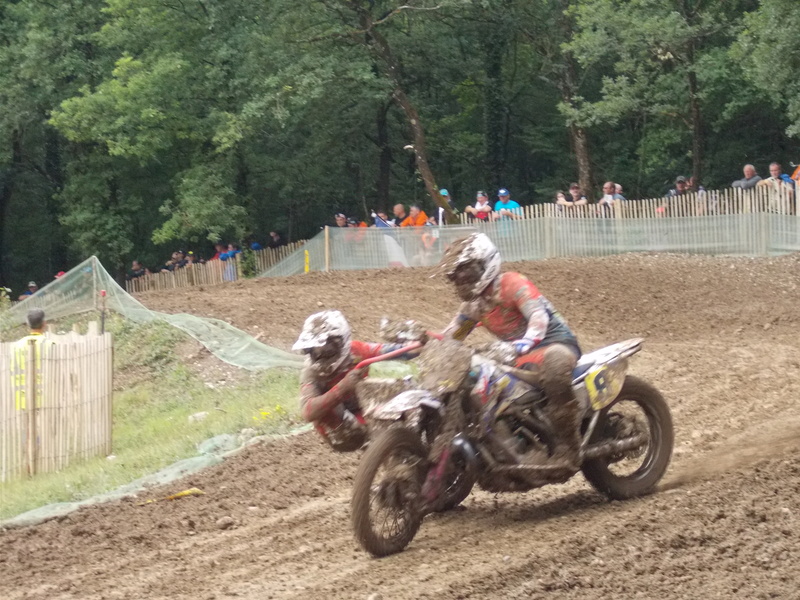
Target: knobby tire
[662,438]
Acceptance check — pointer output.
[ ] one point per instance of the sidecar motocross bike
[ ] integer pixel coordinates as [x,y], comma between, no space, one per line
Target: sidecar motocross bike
[438,438]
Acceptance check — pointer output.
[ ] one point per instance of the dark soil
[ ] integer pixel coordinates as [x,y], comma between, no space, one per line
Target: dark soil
[722,346]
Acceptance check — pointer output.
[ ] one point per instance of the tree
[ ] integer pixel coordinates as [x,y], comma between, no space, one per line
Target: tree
[663,54]
[768,46]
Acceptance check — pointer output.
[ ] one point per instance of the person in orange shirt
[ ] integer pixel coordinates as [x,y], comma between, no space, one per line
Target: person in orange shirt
[416,217]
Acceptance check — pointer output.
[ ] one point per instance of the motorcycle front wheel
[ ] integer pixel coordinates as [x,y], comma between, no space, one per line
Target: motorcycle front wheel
[387,505]
[640,407]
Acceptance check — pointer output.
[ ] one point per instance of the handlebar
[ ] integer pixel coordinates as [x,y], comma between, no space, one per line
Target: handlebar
[389,355]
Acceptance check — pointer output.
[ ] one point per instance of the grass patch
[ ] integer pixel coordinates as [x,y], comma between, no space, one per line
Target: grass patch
[151,418]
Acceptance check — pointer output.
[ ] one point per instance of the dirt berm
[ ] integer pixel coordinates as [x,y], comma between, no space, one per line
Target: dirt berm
[721,344]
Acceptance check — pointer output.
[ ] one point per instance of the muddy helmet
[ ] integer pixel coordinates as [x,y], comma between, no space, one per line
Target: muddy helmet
[471,264]
[325,339]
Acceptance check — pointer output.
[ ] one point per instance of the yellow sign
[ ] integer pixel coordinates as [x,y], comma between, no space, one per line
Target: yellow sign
[306,264]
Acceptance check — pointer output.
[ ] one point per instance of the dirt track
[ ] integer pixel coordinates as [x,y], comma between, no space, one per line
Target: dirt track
[721,345]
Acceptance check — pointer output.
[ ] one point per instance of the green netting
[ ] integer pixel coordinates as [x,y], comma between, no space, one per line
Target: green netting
[79,291]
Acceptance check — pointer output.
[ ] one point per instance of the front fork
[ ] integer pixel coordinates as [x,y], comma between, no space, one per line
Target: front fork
[432,488]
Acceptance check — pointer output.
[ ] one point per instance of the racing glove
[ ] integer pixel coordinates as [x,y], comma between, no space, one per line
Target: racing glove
[523,345]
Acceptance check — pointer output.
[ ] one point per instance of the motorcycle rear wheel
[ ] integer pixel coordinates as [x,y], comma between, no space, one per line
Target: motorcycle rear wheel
[389,480]
[658,453]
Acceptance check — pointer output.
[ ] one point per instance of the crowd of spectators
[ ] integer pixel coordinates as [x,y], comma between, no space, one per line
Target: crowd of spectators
[222,252]
[504,208]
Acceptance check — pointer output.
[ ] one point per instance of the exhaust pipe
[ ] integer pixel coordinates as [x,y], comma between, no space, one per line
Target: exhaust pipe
[604,449]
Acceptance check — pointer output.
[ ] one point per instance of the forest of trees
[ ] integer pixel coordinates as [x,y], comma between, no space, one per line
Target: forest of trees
[129,128]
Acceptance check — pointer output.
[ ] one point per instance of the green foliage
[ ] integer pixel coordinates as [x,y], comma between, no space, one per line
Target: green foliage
[247,263]
[150,347]
[132,127]
[768,46]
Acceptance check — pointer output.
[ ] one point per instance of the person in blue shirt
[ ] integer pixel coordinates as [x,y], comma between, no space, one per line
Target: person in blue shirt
[505,207]
[778,178]
[32,289]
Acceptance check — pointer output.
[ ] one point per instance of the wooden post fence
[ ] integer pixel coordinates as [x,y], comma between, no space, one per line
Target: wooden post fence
[213,272]
[55,402]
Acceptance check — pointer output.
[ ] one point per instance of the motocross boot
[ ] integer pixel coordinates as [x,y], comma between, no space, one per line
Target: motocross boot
[563,408]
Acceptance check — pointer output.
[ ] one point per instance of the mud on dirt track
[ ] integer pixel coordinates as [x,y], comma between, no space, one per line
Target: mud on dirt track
[721,345]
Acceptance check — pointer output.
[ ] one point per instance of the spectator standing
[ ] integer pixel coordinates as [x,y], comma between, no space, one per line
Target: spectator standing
[449,199]
[230,257]
[680,187]
[232,251]
[482,210]
[220,249]
[416,217]
[505,207]
[609,200]
[136,271]
[32,289]
[400,214]
[571,200]
[177,261]
[561,200]
[679,190]
[36,325]
[781,189]
[751,178]
[275,240]
[576,195]
[777,179]
[618,189]
[340,219]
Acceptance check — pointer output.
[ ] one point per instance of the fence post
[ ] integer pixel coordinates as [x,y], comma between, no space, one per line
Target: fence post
[31,375]
[763,233]
[327,248]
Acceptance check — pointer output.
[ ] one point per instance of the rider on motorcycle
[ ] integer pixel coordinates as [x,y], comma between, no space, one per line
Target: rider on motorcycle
[514,310]
[329,378]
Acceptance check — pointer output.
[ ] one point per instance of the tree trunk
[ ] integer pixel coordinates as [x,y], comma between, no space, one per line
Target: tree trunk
[381,47]
[696,117]
[580,146]
[568,87]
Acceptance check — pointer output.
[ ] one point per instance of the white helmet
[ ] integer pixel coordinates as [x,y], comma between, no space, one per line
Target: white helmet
[326,338]
[472,264]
